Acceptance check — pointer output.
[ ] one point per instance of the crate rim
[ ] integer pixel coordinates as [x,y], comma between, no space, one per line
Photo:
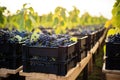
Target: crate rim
[51,47]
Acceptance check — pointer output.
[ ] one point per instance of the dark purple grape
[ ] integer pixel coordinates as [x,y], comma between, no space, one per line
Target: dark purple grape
[114,38]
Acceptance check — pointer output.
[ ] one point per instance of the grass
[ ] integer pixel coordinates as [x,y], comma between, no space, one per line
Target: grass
[97,67]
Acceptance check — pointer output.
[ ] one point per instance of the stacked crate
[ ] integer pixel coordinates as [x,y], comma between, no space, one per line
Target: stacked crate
[57,60]
[10,56]
[113,55]
[82,47]
[10,53]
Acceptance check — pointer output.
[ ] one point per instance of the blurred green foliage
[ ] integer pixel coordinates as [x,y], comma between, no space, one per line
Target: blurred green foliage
[61,20]
[116,14]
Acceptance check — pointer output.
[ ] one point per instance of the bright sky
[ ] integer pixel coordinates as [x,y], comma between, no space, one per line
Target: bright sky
[94,7]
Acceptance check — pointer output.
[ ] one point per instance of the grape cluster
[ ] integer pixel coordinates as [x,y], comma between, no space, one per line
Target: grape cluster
[18,37]
[84,30]
[22,34]
[46,40]
[114,38]
[4,35]
[14,36]
[34,39]
[1,37]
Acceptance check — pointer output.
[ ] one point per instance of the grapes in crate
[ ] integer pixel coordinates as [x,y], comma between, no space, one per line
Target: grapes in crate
[13,36]
[46,40]
[114,38]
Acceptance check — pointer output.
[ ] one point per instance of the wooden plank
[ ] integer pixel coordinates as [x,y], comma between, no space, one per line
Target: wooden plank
[110,76]
[43,76]
[110,71]
[33,78]
[3,74]
[6,72]
[78,69]
[90,66]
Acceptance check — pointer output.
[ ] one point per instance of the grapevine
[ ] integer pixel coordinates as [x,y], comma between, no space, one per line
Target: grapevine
[116,14]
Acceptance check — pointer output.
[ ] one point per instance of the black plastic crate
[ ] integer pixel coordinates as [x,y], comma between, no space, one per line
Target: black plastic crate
[82,47]
[14,77]
[52,67]
[94,38]
[112,49]
[10,56]
[101,31]
[10,62]
[3,51]
[98,35]
[3,48]
[113,63]
[15,49]
[8,49]
[49,60]
[91,40]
